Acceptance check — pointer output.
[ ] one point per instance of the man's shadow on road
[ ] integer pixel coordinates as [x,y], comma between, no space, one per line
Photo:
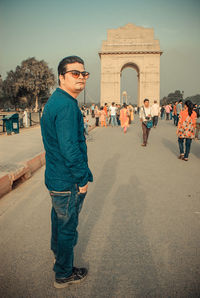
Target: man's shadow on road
[127,265]
[95,201]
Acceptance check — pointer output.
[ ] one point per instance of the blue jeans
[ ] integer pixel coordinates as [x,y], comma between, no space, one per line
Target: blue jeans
[66,207]
[86,129]
[187,146]
[177,119]
[113,120]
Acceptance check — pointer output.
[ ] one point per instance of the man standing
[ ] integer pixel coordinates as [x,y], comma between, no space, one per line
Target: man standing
[105,108]
[92,110]
[145,116]
[67,173]
[167,111]
[175,112]
[113,111]
[179,108]
[155,111]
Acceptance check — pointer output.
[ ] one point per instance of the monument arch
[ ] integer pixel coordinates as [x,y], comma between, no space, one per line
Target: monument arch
[130,46]
[137,70]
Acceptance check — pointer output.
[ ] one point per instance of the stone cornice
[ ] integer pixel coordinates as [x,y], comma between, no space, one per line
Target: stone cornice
[129,52]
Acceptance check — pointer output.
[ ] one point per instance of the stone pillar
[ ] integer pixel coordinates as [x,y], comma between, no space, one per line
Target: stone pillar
[110,82]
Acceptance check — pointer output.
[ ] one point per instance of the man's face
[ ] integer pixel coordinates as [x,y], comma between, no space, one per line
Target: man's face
[71,84]
[146,104]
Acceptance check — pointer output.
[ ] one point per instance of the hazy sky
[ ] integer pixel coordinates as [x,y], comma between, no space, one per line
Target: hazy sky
[51,30]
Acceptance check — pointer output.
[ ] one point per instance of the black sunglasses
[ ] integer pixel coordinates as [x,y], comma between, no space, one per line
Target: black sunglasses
[76,74]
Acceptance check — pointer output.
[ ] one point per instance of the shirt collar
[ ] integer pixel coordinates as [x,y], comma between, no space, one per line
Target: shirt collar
[66,94]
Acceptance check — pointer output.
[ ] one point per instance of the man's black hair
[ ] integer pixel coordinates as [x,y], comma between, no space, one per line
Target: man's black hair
[67,60]
[146,99]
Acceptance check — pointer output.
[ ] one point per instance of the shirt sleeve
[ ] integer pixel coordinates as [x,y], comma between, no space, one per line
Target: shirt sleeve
[67,134]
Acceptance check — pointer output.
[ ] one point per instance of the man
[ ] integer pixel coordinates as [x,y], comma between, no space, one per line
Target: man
[145,116]
[171,109]
[67,173]
[179,108]
[113,111]
[105,108]
[197,110]
[162,112]
[155,111]
[175,112]
[92,110]
[167,111]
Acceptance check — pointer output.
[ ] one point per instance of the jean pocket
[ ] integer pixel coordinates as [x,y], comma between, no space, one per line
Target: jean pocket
[60,202]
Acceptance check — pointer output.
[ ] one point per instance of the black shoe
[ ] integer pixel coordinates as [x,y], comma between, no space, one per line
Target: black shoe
[78,274]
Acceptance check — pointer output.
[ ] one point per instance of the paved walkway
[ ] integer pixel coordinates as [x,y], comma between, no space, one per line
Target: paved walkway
[17,148]
[139,228]
[21,155]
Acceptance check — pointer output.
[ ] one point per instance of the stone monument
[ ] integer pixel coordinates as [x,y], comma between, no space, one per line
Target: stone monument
[130,46]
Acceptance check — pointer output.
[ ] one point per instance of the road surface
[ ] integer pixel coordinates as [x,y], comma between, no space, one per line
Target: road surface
[139,227]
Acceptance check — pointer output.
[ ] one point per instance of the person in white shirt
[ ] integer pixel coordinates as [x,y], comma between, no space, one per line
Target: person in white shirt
[25,118]
[155,112]
[113,111]
[145,116]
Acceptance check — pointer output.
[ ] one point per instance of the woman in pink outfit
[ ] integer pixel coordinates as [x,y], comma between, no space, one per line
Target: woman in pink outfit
[124,117]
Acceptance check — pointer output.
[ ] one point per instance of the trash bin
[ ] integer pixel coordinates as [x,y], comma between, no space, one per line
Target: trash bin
[11,123]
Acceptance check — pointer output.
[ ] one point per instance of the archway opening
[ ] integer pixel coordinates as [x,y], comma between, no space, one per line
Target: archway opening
[129,86]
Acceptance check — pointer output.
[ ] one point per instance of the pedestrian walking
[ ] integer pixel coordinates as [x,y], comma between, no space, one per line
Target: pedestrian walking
[135,110]
[171,110]
[85,120]
[167,111]
[155,111]
[162,112]
[105,108]
[97,115]
[124,118]
[197,110]
[25,118]
[67,173]
[186,129]
[146,120]
[131,113]
[103,117]
[113,112]
[175,112]
[118,114]
[178,110]
[92,110]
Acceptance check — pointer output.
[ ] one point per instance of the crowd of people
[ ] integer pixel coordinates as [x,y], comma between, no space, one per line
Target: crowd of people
[186,117]
[113,115]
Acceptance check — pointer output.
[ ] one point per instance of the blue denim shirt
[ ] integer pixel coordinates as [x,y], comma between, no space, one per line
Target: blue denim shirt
[64,142]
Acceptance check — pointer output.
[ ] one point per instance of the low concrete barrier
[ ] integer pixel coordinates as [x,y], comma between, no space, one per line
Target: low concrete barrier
[26,170]
[21,174]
